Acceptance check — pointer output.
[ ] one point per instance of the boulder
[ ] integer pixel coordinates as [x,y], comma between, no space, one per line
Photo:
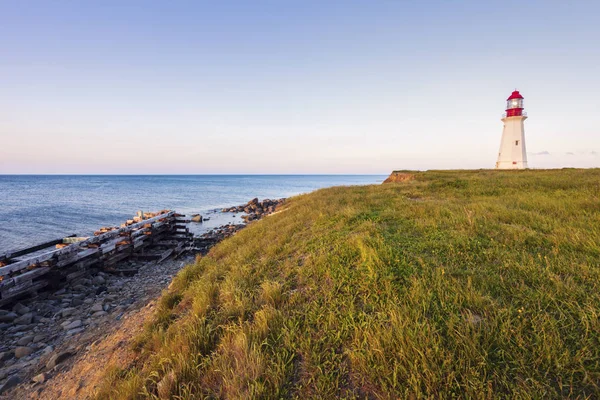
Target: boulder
[98,280]
[41,378]
[75,324]
[97,307]
[10,383]
[99,314]
[9,317]
[24,319]
[196,218]
[58,358]
[67,312]
[5,355]
[38,338]
[76,302]
[101,290]
[21,309]
[23,351]
[25,340]
[75,331]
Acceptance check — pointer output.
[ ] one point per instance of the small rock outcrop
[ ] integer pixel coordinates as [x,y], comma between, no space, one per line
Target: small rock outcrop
[255,209]
[398,176]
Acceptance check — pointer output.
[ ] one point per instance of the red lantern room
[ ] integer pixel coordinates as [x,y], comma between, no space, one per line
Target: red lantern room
[514,105]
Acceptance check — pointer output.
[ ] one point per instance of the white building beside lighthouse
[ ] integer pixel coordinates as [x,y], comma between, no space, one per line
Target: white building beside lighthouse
[513,154]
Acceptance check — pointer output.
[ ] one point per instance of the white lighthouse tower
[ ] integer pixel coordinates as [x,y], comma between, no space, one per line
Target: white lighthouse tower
[513,154]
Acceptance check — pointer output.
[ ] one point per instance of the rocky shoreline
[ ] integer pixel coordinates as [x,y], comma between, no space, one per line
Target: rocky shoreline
[42,337]
[255,209]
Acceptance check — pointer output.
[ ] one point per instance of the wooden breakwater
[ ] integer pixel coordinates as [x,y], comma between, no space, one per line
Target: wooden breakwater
[153,236]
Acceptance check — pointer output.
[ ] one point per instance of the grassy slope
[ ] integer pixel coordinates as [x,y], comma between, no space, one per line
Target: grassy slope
[471,283]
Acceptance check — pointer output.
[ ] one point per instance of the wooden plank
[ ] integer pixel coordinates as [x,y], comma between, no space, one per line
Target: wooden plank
[165,255]
[42,258]
[7,298]
[129,228]
[85,263]
[7,255]
[115,258]
[168,243]
[30,275]
[138,233]
[24,285]
[79,256]
[147,256]
[73,239]
[76,274]
[75,247]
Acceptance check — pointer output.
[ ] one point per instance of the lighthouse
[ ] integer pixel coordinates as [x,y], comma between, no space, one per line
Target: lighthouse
[513,154]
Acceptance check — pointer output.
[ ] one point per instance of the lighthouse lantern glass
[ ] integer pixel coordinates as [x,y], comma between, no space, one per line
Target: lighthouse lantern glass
[514,103]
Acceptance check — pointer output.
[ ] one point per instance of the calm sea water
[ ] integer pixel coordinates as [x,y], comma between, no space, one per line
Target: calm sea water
[38,208]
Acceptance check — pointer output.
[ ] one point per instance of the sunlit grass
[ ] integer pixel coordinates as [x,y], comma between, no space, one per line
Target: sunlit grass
[469,284]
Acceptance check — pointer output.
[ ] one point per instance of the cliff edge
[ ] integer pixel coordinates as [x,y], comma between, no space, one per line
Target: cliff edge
[400,176]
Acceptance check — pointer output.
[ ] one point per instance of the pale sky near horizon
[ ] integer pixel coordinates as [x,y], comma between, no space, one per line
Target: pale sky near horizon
[293,86]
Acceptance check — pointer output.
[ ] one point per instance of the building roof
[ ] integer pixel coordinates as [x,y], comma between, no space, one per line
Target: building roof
[515,95]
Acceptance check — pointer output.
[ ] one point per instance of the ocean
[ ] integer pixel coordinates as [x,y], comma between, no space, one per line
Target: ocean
[37,208]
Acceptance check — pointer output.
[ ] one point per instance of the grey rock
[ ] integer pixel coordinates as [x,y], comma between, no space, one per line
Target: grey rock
[23,351]
[67,312]
[75,331]
[5,355]
[48,350]
[99,314]
[8,317]
[96,307]
[19,328]
[76,302]
[10,383]
[25,340]
[41,378]
[38,338]
[24,319]
[58,358]
[21,309]
[98,280]
[73,325]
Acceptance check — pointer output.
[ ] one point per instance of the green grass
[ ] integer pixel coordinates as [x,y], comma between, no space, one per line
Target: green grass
[458,284]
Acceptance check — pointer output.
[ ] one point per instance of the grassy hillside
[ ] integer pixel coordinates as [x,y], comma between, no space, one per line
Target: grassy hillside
[455,284]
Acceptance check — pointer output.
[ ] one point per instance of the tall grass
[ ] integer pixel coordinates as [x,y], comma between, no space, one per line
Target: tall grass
[465,284]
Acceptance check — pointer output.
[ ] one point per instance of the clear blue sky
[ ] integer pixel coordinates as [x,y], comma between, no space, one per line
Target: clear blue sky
[293,86]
